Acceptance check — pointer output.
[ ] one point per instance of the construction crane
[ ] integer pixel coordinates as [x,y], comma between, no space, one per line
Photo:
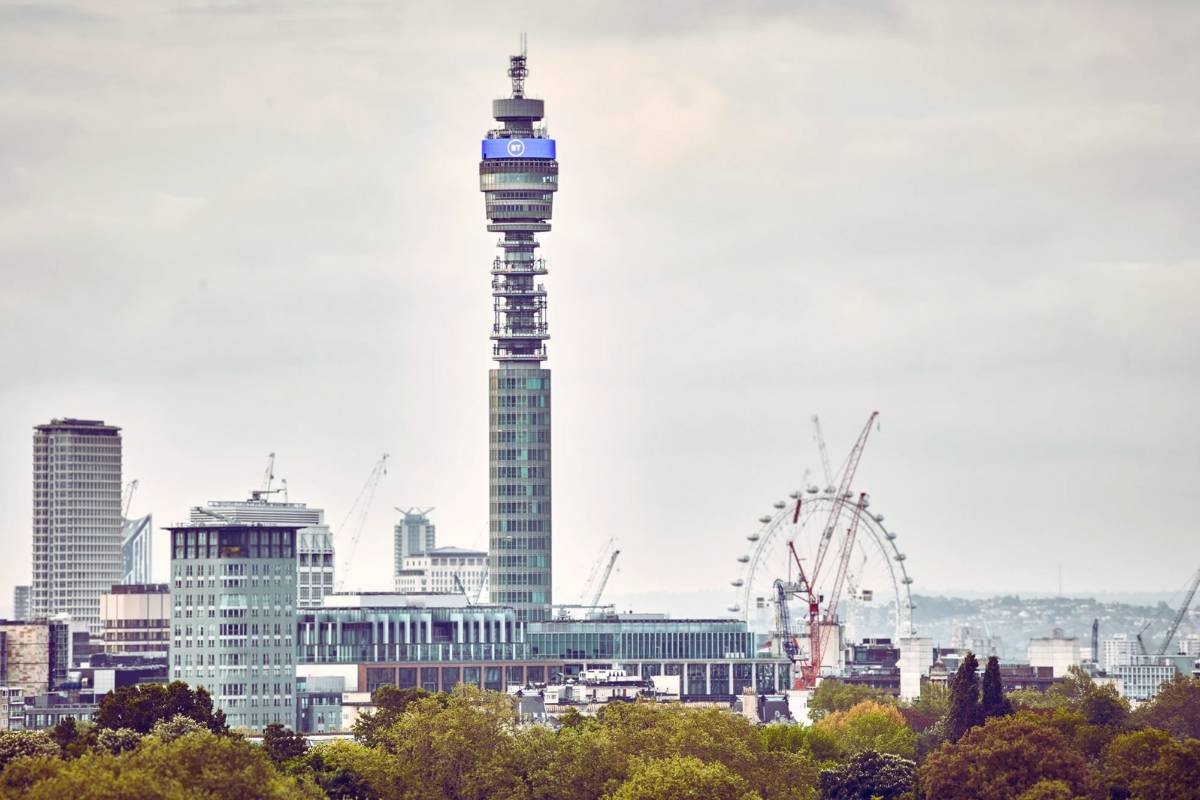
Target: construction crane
[816,421]
[269,474]
[810,672]
[462,588]
[783,621]
[358,513]
[1180,614]
[264,494]
[1142,642]
[591,581]
[604,579]
[842,493]
[844,560]
[127,500]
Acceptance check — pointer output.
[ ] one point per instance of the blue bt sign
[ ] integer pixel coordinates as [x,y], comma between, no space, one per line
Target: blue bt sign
[518,148]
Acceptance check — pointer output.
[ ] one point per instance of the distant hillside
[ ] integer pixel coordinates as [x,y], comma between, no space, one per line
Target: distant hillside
[1009,621]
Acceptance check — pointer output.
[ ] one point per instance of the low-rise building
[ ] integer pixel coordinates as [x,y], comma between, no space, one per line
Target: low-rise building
[444,569]
[34,656]
[137,620]
[1059,652]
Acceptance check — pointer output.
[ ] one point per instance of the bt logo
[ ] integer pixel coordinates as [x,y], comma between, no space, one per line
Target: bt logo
[516,147]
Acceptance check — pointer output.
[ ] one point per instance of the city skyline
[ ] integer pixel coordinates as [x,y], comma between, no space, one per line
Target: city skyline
[307,279]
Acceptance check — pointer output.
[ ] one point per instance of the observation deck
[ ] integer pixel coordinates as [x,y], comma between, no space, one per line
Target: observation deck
[518,175]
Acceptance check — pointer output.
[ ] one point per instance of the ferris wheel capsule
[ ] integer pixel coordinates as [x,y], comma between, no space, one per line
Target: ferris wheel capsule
[736,583]
[764,519]
[878,517]
[780,504]
[754,537]
[744,559]
[812,488]
[735,608]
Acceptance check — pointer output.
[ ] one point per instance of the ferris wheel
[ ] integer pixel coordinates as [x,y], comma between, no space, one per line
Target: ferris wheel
[858,572]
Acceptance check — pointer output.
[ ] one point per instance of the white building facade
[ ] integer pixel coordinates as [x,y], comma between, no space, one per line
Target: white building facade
[76,518]
[1058,652]
[437,570]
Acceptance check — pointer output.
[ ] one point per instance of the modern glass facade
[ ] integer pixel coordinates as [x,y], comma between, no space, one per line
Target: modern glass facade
[370,635]
[518,176]
[636,640]
[233,618]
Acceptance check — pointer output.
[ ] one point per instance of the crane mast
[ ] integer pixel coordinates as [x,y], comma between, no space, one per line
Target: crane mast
[361,507]
[127,501]
[1180,614]
[612,560]
[844,560]
[843,492]
[816,421]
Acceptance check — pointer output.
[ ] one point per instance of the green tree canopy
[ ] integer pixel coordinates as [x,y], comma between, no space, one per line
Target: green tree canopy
[201,765]
[870,775]
[282,744]
[1151,765]
[139,706]
[389,703]
[1176,708]
[1002,759]
[683,778]
[15,744]
[832,695]
[871,726]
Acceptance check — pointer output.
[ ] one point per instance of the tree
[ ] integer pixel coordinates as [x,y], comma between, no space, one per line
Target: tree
[964,699]
[140,706]
[389,703]
[1175,709]
[346,770]
[114,742]
[1046,789]
[460,745]
[994,704]
[870,775]
[202,765]
[168,730]
[833,695]
[683,778]
[871,726]
[1151,765]
[74,738]
[932,705]
[1002,759]
[282,744]
[15,744]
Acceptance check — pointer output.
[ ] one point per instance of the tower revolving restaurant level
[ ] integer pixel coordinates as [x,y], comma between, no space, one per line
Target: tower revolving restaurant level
[518,176]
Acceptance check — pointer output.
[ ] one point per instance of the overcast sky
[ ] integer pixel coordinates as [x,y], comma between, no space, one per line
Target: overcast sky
[240,227]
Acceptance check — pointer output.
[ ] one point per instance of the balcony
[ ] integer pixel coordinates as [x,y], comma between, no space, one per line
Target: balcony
[518,267]
[503,289]
[500,354]
[532,332]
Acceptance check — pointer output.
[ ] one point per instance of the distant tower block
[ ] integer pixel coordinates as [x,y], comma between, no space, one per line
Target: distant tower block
[519,176]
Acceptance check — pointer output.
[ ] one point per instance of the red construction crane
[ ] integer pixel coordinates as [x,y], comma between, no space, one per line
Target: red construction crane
[810,672]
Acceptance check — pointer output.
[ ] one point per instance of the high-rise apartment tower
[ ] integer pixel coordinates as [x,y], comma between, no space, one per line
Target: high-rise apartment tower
[76,518]
[518,176]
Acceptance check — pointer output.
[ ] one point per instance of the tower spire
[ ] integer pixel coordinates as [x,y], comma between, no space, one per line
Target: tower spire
[517,70]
